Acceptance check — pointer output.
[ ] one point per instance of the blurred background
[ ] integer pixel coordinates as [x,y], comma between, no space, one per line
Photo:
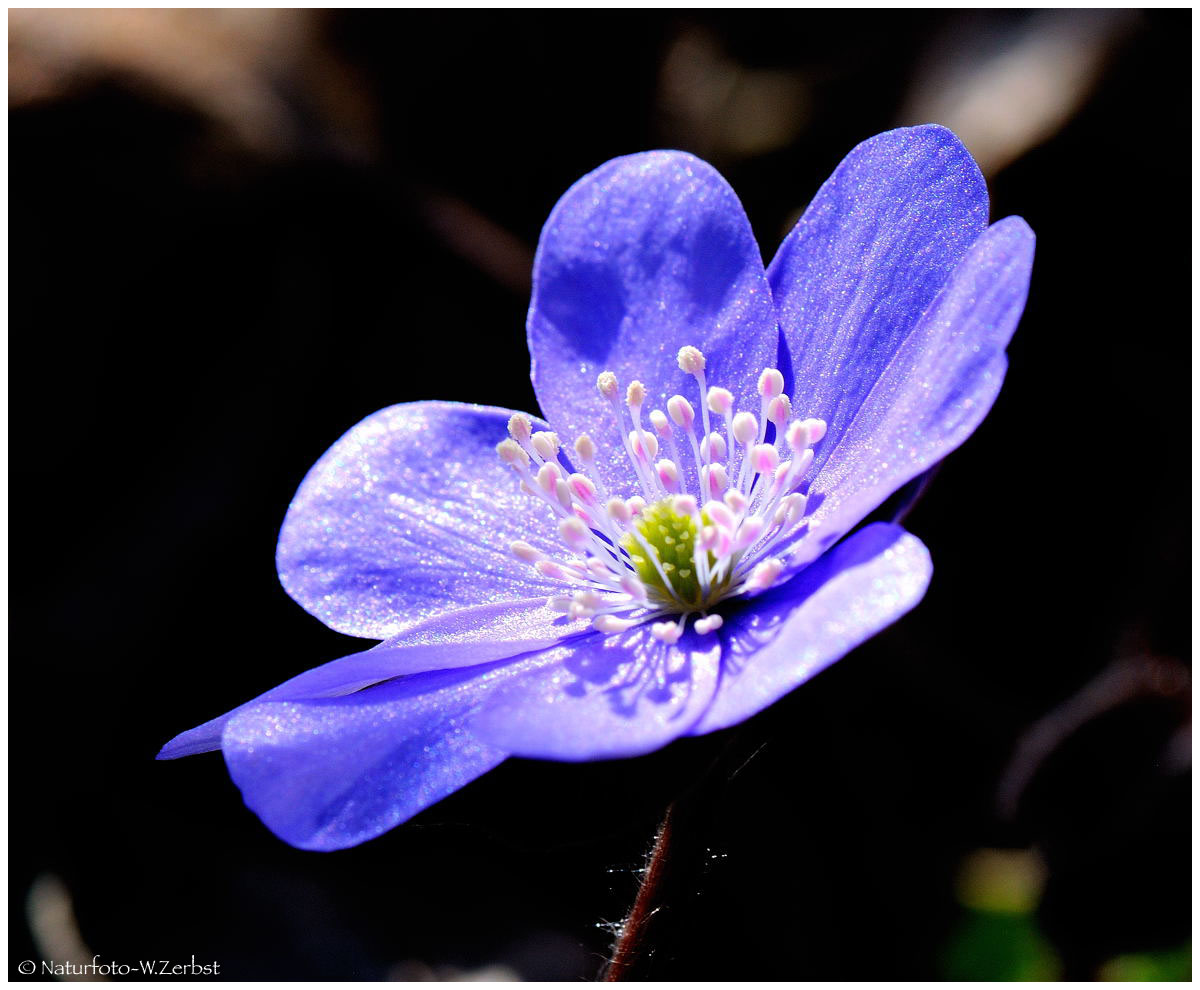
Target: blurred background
[233,234]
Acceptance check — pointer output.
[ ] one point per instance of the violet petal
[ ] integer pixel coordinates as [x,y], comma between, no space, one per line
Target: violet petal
[640,257]
[409,515]
[797,629]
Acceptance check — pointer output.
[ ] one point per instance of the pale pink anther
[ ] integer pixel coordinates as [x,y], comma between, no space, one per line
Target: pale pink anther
[548,477]
[636,505]
[645,445]
[562,492]
[685,505]
[583,489]
[668,474]
[797,434]
[749,531]
[633,587]
[764,458]
[763,576]
[715,480]
[546,444]
[548,568]
[720,400]
[611,624]
[667,632]
[681,412]
[574,533]
[796,504]
[706,539]
[745,428]
[713,447]
[770,383]
[779,410]
[720,514]
[710,623]
[618,510]
[816,429]
[662,425]
[736,501]
[523,551]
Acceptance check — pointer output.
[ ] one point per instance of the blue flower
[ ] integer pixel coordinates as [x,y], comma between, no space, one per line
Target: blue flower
[666,553]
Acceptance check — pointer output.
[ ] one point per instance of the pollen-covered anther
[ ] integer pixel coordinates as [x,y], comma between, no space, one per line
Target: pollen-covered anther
[520,427]
[691,360]
[606,385]
[635,395]
[585,447]
[770,383]
[510,452]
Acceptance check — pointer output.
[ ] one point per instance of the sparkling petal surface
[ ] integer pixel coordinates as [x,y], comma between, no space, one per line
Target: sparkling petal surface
[330,774]
[799,628]
[870,253]
[409,515]
[602,697]
[640,257]
[463,638]
[936,390]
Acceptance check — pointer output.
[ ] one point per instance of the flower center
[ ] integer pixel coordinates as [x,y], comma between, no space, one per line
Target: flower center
[671,536]
[665,552]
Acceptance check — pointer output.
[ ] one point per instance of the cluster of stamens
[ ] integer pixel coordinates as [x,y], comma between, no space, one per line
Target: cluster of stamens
[667,553]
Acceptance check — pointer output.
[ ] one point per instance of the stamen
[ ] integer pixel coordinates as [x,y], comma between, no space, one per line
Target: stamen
[523,551]
[546,445]
[520,427]
[770,383]
[632,561]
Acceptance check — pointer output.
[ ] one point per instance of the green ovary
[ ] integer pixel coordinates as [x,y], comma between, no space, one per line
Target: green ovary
[673,537]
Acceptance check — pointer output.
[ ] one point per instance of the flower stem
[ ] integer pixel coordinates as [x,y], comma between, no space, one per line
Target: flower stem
[635,929]
[675,864]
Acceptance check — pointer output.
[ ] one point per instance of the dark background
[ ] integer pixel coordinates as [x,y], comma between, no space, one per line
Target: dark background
[234,234]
